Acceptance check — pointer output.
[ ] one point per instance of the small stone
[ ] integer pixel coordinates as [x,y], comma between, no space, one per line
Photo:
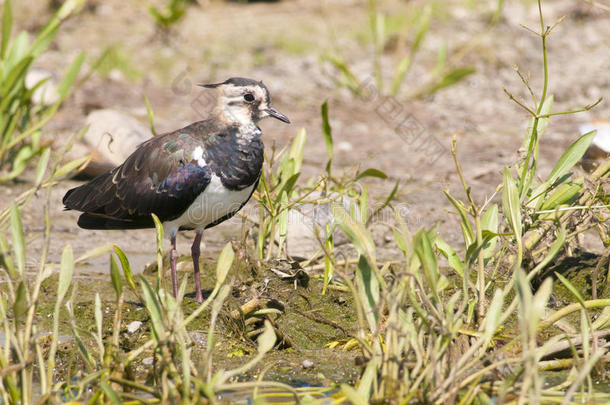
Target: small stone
[112,136]
[301,238]
[134,326]
[46,94]
[148,361]
[600,146]
[307,364]
[602,136]
[345,146]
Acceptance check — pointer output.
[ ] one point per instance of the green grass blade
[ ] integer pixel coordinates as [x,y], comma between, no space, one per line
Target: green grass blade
[356,232]
[66,269]
[401,72]
[368,289]
[10,83]
[425,253]
[563,194]
[491,322]
[489,222]
[95,252]
[17,50]
[539,303]
[573,290]
[41,168]
[126,268]
[7,25]
[452,257]
[327,131]
[7,259]
[20,306]
[364,205]
[44,38]
[69,167]
[451,78]
[422,29]
[18,239]
[388,199]
[464,221]
[286,188]
[82,348]
[159,229]
[110,393]
[267,339]
[349,78]
[151,116]
[353,396]
[154,310]
[510,203]
[282,219]
[115,276]
[66,83]
[297,149]
[225,260]
[571,156]
[551,253]
[376,173]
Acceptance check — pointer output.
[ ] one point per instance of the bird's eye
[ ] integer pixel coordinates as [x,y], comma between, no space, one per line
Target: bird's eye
[248,97]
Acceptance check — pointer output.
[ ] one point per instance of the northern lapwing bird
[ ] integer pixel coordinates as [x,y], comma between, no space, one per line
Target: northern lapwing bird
[192,179]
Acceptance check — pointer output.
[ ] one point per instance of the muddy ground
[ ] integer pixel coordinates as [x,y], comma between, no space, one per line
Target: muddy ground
[282,43]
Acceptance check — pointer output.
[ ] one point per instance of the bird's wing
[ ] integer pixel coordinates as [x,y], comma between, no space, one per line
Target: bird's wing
[163,176]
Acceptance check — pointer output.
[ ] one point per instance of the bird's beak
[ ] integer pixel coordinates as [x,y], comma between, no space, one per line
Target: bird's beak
[276,114]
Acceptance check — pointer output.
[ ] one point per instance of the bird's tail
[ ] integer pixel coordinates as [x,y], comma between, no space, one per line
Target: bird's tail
[82,198]
[97,221]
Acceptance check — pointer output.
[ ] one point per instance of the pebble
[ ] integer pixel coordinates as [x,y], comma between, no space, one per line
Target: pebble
[602,137]
[46,94]
[301,237]
[112,136]
[345,146]
[307,364]
[147,361]
[134,326]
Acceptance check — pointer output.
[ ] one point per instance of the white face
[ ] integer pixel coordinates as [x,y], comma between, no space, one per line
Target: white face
[243,104]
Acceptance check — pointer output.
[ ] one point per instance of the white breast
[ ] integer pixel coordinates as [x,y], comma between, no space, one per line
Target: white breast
[215,202]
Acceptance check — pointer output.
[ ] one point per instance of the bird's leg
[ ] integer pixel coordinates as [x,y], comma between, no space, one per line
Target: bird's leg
[173,258]
[195,252]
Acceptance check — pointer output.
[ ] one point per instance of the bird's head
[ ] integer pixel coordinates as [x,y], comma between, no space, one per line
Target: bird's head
[244,101]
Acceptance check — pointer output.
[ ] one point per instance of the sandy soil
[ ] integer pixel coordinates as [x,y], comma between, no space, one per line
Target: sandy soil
[281,43]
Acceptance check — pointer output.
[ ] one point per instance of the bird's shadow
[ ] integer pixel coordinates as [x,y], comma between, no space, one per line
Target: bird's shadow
[204,293]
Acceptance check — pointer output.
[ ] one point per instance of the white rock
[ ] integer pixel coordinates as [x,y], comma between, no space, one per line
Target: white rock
[134,326]
[602,137]
[148,361]
[302,223]
[113,136]
[47,93]
[307,363]
[345,146]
